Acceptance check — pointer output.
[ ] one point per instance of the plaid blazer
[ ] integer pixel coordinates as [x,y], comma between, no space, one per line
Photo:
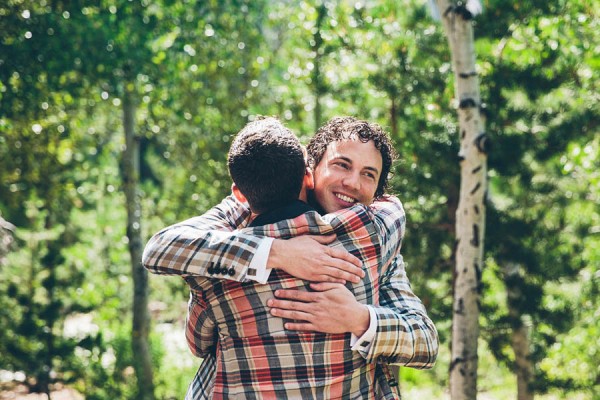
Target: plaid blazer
[254,356]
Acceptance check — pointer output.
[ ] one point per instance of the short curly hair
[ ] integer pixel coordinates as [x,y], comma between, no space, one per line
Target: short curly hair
[350,128]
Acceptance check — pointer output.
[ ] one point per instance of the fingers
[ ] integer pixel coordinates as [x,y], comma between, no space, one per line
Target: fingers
[343,255]
[290,314]
[343,269]
[299,326]
[327,278]
[323,286]
[335,274]
[296,295]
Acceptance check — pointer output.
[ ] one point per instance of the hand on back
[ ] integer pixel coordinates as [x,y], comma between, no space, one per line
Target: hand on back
[308,257]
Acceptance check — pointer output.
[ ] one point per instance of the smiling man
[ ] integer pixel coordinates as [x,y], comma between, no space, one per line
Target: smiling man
[349,174]
[350,164]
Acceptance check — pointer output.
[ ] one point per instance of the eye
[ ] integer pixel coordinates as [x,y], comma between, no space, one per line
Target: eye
[369,175]
[342,164]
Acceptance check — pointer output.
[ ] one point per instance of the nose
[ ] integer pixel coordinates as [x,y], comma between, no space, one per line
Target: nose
[352,180]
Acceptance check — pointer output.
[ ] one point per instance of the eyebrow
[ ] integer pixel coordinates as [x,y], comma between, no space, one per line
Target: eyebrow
[348,160]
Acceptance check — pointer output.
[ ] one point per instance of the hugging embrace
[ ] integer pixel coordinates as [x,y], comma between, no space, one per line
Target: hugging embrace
[297,286]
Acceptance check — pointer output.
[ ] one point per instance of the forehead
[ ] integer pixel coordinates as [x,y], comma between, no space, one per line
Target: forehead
[362,154]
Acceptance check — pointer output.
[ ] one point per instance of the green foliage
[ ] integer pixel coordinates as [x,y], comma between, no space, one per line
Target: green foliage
[534,65]
[37,299]
[110,375]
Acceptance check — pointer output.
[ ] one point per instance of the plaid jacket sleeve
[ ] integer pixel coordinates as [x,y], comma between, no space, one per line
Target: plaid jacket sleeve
[203,382]
[206,245]
[405,334]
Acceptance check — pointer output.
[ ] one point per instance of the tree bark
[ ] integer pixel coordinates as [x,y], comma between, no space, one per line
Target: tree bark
[394,117]
[141,318]
[318,52]
[6,239]
[520,335]
[470,214]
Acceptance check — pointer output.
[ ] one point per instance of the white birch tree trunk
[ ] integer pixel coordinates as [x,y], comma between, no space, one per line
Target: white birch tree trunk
[470,214]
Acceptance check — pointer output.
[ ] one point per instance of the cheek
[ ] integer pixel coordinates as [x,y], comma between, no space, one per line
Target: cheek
[325,178]
[368,190]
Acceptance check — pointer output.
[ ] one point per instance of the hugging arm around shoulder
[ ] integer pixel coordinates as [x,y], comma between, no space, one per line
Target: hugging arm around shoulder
[405,334]
[206,245]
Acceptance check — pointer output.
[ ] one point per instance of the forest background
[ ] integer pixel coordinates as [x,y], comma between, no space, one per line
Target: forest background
[180,78]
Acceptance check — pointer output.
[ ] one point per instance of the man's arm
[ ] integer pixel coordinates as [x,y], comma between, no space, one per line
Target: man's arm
[200,328]
[401,332]
[205,245]
[405,333]
[210,246]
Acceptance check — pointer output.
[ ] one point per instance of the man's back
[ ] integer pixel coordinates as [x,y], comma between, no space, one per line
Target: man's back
[256,356]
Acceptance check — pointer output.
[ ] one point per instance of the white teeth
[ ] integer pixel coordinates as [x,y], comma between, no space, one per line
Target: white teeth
[345,198]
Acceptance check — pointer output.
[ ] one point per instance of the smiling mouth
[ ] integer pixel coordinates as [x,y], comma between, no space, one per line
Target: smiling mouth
[345,198]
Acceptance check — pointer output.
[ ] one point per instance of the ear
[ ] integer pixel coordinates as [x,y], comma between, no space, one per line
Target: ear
[237,194]
[309,179]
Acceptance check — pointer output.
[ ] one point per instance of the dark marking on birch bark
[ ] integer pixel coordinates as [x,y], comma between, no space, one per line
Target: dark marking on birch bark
[454,271]
[463,133]
[475,239]
[476,169]
[455,362]
[476,209]
[466,75]
[461,307]
[476,188]
[459,9]
[467,102]
[482,143]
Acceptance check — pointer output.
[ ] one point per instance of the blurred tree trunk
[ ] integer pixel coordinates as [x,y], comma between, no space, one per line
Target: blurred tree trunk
[520,336]
[317,48]
[6,239]
[141,318]
[49,265]
[470,215]
[394,117]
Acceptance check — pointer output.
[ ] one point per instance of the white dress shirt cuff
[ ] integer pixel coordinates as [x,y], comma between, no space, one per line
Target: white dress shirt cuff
[258,265]
[363,344]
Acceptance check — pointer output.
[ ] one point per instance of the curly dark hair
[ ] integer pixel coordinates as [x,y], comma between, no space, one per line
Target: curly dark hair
[267,164]
[350,128]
